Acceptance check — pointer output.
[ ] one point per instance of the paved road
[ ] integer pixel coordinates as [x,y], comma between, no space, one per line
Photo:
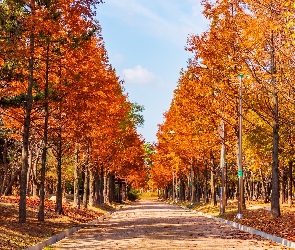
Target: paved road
[155,225]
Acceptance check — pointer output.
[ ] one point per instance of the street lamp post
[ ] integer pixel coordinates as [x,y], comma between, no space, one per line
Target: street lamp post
[240,167]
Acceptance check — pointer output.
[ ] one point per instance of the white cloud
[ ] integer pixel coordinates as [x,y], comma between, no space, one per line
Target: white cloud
[138,75]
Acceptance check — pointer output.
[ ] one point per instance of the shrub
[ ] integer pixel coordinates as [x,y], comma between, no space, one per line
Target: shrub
[133,195]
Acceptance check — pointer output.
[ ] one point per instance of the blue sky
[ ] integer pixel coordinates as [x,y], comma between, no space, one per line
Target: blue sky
[145,41]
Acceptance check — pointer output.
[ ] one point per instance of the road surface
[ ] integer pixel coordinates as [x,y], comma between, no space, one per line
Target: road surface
[149,224]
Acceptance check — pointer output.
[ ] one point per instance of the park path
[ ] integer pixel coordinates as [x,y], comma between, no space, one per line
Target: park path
[149,224]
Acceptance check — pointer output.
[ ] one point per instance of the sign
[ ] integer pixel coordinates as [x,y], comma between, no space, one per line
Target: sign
[240,173]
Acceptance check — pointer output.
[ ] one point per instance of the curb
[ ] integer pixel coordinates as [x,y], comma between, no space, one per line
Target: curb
[251,230]
[66,233]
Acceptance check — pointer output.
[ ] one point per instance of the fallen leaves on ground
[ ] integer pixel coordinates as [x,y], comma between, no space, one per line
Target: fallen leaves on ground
[256,216]
[15,235]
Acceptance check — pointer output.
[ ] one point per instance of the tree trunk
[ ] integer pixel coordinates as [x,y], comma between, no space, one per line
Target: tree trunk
[105,187]
[76,179]
[96,188]
[282,186]
[45,137]
[275,195]
[12,181]
[206,198]
[198,193]
[92,187]
[58,207]
[26,131]
[213,192]
[290,179]
[101,186]
[5,165]
[192,184]
[111,187]
[85,192]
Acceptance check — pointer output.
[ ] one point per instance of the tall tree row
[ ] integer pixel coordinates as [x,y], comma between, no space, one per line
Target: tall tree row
[248,41]
[61,99]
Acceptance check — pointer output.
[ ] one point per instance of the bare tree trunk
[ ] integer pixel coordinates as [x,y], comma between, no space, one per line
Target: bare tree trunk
[29,176]
[282,186]
[26,133]
[5,165]
[58,205]
[111,187]
[92,190]
[193,185]
[212,183]
[275,195]
[85,193]
[206,198]
[76,179]
[45,137]
[12,181]
[290,179]
[198,193]
[105,187]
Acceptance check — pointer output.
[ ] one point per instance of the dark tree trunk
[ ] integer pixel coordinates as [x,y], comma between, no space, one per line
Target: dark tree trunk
[5,165]
[111,187]
[282,186]
[290,179]
[85,188]
[58,207]
[181,190]
[275,195]
[206,198]
[192,184]
[12,181]
[213,192]
[26,133]
[198,191]
[76,179]
[44,152]
[92,187]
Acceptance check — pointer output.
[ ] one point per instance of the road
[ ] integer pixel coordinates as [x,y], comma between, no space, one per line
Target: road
[149,224]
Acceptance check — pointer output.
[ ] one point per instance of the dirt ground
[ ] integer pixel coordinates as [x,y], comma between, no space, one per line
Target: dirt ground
[149,224]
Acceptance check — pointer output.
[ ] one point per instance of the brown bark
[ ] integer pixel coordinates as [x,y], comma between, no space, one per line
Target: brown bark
[76,180]
[275,195]
[26,133]
[290,180]
[45,137]
[5,165]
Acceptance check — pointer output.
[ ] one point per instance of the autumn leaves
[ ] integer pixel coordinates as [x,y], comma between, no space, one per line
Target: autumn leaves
[253,38]
[59,92]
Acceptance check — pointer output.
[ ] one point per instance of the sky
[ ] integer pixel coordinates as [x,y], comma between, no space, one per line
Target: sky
[145,41]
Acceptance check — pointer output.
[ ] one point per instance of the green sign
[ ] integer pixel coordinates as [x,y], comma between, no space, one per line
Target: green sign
[191,183]
[240,173]
[177,188]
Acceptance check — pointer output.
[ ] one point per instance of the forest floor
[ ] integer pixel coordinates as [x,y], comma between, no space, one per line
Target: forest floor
[15,235]
[256,215]
[20,236]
